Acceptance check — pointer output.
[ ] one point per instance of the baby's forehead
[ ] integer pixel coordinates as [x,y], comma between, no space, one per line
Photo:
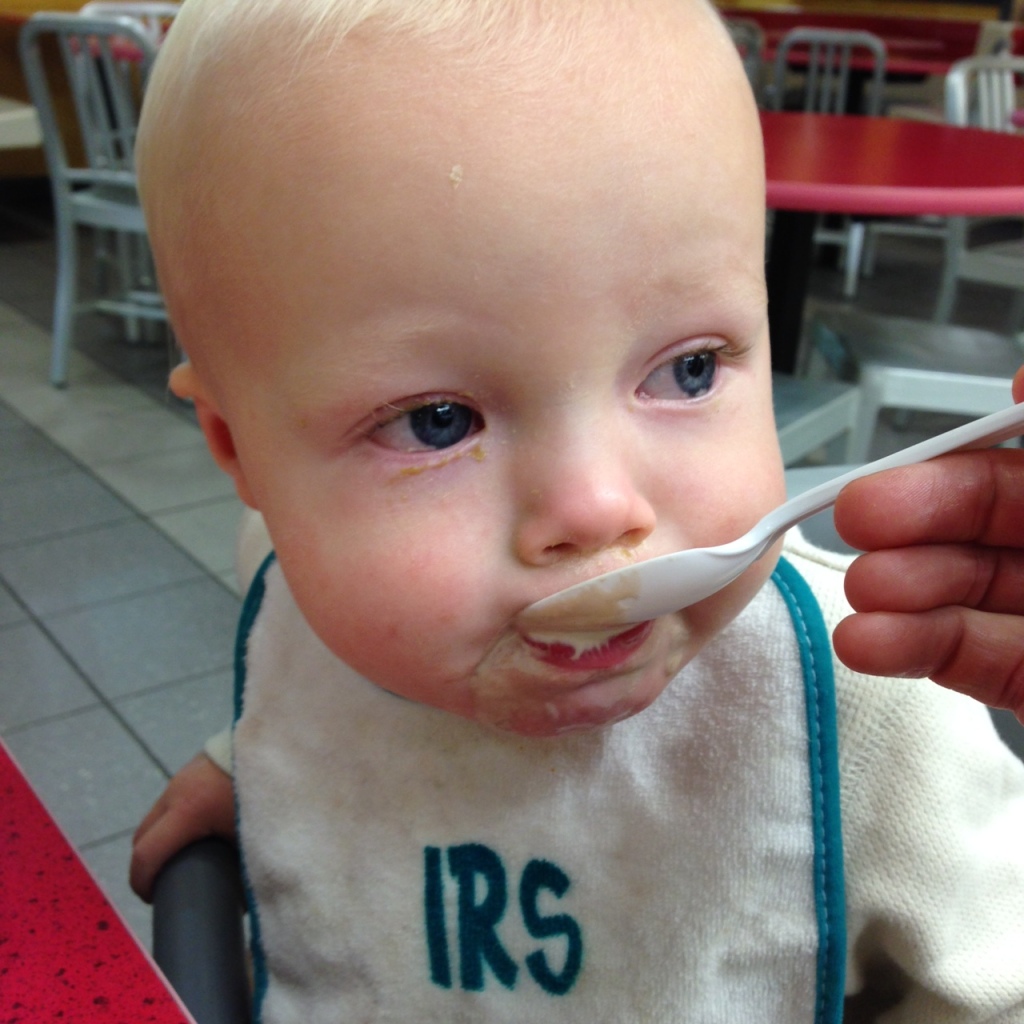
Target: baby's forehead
[268,55]
[230,116]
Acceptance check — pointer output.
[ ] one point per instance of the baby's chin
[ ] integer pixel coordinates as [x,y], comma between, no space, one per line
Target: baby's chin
[552,721]
[517,703]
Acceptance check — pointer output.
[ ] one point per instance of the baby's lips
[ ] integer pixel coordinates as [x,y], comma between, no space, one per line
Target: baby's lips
[570,640]
[590,649]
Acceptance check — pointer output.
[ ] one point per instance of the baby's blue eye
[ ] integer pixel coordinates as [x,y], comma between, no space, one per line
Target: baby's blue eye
[432,426]
[441,425]
[687,376]
[694,373]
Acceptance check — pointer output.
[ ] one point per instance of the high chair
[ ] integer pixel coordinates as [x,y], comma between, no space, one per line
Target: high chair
[198,937]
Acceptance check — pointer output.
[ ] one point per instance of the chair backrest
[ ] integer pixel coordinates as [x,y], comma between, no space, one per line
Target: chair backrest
[832,58]
[106,64]
[994,38]
[748,38]
[153,16]
[982,92]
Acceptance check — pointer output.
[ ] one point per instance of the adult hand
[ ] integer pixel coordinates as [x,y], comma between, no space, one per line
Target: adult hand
[198,802]
[940,592]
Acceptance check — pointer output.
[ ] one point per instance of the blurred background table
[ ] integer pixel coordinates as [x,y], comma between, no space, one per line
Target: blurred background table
[821,163]
[21,161]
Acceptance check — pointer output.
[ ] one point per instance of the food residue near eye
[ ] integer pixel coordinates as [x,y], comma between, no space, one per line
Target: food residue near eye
[476,453]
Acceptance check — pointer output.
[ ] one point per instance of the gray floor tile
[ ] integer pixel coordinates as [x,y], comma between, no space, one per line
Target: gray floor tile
[9,419]
[55,503]
[24,452]
[36,680]
[140,642]
[89,771]
[10,610]
[171,480]
[108,864]
[174,721]
[60,574]
[96,437]
[208,531]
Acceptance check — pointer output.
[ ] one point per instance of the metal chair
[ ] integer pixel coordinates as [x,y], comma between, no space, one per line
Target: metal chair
[979,92]
[112,248]
[845,74]
[811,415]
[154,17]
[105,64]
[748,38]
[904,363]
[198,935]
[982,91]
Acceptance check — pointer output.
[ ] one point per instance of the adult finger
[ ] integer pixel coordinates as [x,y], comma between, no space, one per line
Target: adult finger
[920,578]
[963,497]
[978,653]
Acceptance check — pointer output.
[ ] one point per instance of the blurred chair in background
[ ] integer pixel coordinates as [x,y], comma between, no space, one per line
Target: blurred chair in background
[983,92]
[749,41]
[907,364]
[106,63]
[154,17]
[843,72]
[980,92]
[127,251]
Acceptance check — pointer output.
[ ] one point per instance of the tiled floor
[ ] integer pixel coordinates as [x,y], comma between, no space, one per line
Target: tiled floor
[117,600]
[116,596]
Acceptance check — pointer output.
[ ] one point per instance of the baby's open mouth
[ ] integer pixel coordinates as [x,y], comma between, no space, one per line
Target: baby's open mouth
[589,650]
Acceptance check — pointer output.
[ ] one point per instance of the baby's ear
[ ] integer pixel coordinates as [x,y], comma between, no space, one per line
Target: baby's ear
[188,385]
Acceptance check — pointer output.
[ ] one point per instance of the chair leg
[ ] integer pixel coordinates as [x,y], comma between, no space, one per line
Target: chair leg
[858,445]
[1017,313]
[870,257]
[127,267]
[854,252]
[956,239]
[64,300]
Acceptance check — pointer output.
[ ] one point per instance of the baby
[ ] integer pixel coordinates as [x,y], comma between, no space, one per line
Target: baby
[472,294]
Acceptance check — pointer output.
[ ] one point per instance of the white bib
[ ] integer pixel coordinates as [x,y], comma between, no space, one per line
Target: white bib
[405,865]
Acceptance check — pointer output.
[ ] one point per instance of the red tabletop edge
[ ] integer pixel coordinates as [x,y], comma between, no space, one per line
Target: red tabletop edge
[65,953]
[882,165]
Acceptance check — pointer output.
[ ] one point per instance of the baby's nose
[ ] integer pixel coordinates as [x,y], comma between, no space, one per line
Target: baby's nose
[577,509]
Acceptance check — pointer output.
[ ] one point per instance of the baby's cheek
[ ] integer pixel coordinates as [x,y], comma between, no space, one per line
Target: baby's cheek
[406,643]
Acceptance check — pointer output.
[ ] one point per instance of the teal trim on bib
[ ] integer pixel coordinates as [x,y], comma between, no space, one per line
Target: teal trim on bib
[819,681]
[250,609]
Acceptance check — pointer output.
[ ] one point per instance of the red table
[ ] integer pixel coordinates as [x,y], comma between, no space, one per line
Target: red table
[65,954]
[822,163]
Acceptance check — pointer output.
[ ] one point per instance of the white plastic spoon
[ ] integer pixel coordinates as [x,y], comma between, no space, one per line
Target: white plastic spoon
[661,585]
